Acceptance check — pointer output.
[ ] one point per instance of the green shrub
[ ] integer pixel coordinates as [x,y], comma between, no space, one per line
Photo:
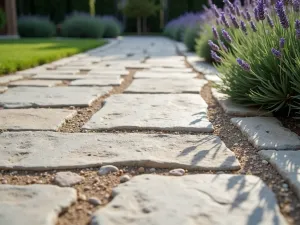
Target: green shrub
[35,26]
[202,47]
[81,25]
[112,27]
[190,36]
[2,19]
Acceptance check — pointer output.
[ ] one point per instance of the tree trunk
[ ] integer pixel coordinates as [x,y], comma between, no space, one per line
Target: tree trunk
[139,25]
[145,24]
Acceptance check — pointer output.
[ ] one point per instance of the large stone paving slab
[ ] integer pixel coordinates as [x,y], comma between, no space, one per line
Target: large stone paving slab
[52,150]
[175,70]
[149,75]
[96,82]
[34,119]
[193,199]
[179,112]
[35,83]
[287,164]
[234,109]
[57,71]
[2,89]
[54,97]
[108,72]
[9,78]
[33,204]
[267,133]
[165,86]
[59,77]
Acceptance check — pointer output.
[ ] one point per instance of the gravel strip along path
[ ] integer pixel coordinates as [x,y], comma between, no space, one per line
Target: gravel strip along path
[96,177]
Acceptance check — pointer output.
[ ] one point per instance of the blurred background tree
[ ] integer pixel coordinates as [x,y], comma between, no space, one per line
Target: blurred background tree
[92,7]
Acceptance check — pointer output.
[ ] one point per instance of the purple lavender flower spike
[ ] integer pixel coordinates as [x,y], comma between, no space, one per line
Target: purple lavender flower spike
[281,43]
[237,10]
[252,24]
[256,14]
[276,53]
[213,46]
[243,27]
[296,5]
[215,56]
[270,21]
[248,16]
[261,9]
[297,24]
[210,3]
[245,66]
[247,3]
[230,6]
[215,33]
[244,15]
[234,21]
[281,14]
[226,36]
[216,11]
[298,34]
[237,3]
[224,20]
[223,46]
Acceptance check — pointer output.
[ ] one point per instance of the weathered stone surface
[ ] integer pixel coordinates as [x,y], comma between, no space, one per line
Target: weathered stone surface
[179,112]
[213,78]
[154,75]
[58,71]
[33,204]
[235,109]
[2,89]
[94,201]
[160,86]
[108,72]
[67,179]
[35,83]
[267,133]
[193,199]
[201,66]
[55,97]
[96,82]
[287,163]
[9,78]
[177,172]
[137,66]
[107,169]
[124,178]
[51,150]
[173,70]
[34,119]
[59,77]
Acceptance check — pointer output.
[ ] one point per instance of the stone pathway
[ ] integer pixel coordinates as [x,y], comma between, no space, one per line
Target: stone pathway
[167,127]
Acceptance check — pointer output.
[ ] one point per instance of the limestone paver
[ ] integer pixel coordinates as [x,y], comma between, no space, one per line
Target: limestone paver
[267,133]
[160,86]
[35,83]
[193,199]
[54,97]
[235,109]
[213,78]
[287,164]
[59,77]
[200,65]
[148,75]
[96,82]
[176,70]
[58,71]
[179,112]
[9,78]
[34,119]
[52,150]
[33,204]
[108,72]
[2,89]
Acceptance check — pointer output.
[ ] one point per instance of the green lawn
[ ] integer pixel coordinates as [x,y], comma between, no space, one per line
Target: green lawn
[25,53]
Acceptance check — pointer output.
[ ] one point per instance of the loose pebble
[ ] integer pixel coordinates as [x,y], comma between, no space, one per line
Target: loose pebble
[94,201]
[152,170]
[82,197]
[124,178]
[264,162]
[285,186]
[141,170]
[177,172]
[67,179]
[107,169]
[220,172]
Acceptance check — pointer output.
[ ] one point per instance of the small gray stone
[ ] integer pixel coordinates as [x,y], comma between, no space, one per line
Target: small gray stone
[264,161]
[192,199]
[34,204]
[152,170]
[67,179]
[124,178]
[177,172]
[94,201]
[107,169]
[267,133]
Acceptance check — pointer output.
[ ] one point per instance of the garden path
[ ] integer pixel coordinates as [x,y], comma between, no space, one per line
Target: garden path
[132,104]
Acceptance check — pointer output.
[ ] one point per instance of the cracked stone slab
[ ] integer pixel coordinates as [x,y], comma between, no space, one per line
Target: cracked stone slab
[54,97]
[267,133]
[96,82]
[179,112]
[34,204]
[193,199]
[34,119]
[287,163]
[52,150]
[58,77]
[35,83]
[2,89]
[234,109]
[165,86]
[149,75]
[174,70]
[9,78]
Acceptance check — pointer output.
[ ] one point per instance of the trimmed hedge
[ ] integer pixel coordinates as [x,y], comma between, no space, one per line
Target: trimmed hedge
[35,26]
